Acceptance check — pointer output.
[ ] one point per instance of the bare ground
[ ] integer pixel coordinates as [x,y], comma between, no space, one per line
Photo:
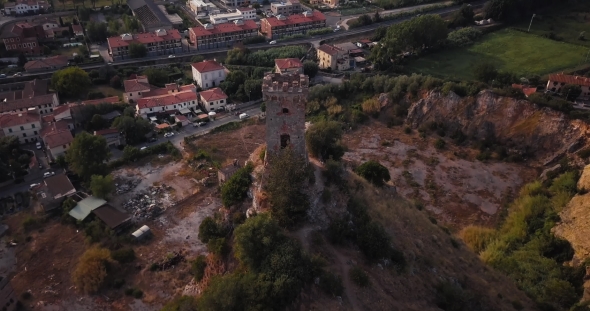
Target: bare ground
[450,183]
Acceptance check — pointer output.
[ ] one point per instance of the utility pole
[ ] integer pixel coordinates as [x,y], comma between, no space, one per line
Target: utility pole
[531,22]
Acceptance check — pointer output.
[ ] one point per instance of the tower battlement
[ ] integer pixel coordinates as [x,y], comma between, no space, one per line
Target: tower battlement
[285,83]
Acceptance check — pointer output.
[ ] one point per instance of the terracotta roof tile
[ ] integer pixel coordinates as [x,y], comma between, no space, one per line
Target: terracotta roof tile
[47,63]
[58,138]
[224,28]
[316,16]
[288,63]
[329,49]
[166,100]
[213,94]
[135,86]
[14,119]
[206,66]
[569,79]
[144,38]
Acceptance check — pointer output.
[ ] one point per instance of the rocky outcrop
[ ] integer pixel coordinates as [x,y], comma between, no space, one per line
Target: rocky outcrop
[520,125]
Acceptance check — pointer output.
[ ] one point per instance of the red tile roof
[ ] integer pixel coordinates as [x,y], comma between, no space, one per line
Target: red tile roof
[25,103]
[58,138]
[329,49]
[526,90]
[46,63]
[14,119]
[206,66]
[296,19]
[77,29]
[144,38]
[166,100]
[365,41]
[181,118]
[53,127]
[569,79]
[288,63]
[224,28]
[135,86]
[169,88]
[60,109]
[213,94]
[106,100]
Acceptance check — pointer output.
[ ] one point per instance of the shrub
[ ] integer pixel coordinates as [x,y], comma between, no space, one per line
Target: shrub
[124,255]
[373,172]
[235,189]
[477,238]
[198,267]
[91,270]
[359,277]
[439,144]
[137,293]
[209,229]
[331,284]
[217,246]
[463,36]
[129,291]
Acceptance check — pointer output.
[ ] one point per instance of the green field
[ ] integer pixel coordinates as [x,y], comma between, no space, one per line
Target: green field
[510,50]
[565,24]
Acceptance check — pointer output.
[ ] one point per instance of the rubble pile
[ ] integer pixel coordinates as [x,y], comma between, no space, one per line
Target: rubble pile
[124,185]
[149,203]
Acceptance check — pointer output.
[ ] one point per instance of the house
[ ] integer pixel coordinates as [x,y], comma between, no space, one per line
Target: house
[558,80]
[24,38]
[149,15]
[363,43]
[26,126]
[224,35]
[25,7]
[329,3]
[85,207]
[135,87]
[44,64]
[149,106]
[112,136]
[280,26]
[57,142]
[526,90]
[213,99]
[332,57]
[58,186]
[203,7]
[288,65]
[52,27]
[34,94]
[227,172]
[184,121]
[239,14]
[208,73]
[8,298]
[159,42]
[78,30]
[286,8]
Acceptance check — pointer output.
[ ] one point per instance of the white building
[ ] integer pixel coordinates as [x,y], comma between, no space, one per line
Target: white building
[134,88]
[181,102]
[208,74]
[26,126]
[239,14]
[202,7]
[213,99]
[58,142]
[24,7]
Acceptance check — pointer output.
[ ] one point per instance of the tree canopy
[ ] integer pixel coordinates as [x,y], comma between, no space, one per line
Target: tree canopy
[91,269]
[157,77]
[323,140]
[102,186]
[134,129]
[310,68]
[71,81]
[235,189]
[373,172]
[87,155]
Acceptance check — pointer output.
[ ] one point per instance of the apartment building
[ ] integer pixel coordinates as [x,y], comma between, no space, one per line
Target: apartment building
[288,65]
[328,3]
[34,94]
[280,26]
[172,98]
[333,57]
[286,8]
[24,38]
[26,126]
[222,35]
[25,7]
[213,99]
[208,74]
[239,14]
[160,42]
[202,7]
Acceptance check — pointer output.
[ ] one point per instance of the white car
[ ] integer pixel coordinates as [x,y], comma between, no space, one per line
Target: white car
[48,174]
[142,148]
[171,56]
[273,42]
[244,116]
[169,134]
[33,186]
[38,145]
[18,74]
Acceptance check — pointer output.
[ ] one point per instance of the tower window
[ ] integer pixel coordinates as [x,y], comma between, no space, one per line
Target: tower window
[285,110]
[285,140]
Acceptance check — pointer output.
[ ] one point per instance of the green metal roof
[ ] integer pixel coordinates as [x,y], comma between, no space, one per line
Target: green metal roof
[86,206]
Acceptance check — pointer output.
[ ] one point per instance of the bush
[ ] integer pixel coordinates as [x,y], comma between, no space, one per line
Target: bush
[137,293]
[463,36]
[218,247]
[331,284]
[123,255]
[91,270]
[209,229]
[477,238]
[439,144]
[373,172]
[235,189]
[198,267]
[359,277]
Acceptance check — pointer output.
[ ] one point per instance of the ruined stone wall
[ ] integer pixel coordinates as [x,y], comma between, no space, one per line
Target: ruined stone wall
[285,96]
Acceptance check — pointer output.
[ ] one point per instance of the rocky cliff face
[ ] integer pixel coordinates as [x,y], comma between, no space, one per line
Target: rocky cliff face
[518,124]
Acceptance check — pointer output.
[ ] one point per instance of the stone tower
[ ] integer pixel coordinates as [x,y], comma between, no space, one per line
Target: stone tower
[285,96]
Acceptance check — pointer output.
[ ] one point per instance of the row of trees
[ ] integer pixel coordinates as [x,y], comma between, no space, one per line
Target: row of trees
[263,58]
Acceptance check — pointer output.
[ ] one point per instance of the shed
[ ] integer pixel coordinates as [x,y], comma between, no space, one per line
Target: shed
[111,216]
[86,206]
[141,232]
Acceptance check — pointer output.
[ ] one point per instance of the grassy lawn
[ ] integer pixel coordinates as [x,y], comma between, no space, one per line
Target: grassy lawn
[59,5]
[107,90]
[510,50]
[566,24]
[363,10]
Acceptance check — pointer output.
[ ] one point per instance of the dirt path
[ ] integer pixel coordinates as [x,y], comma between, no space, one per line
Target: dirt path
[342,265]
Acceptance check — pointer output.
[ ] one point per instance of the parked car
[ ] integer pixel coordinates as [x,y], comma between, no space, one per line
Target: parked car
[202,123]
[171,56]
[2,76]
[142,148]
[18,74]
[38,145]
[244,116]
[169,134]
[48,174]
[33,186]
[153,139]
[273,42]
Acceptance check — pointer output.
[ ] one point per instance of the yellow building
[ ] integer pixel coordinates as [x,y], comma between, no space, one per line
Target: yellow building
[333,57]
